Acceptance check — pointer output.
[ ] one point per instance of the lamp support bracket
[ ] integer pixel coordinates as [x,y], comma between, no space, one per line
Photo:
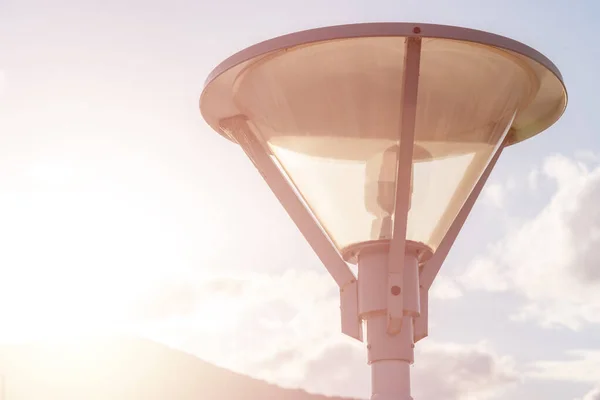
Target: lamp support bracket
[238,128]
[432,267]
[410,85]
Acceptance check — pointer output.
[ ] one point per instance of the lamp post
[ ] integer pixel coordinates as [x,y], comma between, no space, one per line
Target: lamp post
[377,140]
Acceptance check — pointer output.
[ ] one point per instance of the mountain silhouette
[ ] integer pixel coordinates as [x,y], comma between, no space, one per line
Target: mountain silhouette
[125,369]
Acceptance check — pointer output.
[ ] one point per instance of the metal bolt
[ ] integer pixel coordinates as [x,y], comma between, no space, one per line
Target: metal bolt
[396,290]
[416,29]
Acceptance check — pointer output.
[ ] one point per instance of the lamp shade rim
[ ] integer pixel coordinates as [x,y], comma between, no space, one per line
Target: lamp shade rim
[392,29]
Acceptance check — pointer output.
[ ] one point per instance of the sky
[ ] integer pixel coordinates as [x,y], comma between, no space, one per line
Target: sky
[121,211]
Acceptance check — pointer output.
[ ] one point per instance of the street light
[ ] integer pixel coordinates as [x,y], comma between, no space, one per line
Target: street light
[377,139]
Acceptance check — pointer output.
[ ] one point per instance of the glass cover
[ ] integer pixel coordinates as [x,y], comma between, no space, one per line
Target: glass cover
[330,114]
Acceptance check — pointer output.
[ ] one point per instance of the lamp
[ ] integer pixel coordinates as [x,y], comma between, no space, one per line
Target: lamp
[377,139]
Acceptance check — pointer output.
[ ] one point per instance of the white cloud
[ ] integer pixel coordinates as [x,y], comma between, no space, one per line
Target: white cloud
[461,372]
[564,170]
[441,371]
[266,325]
[593,394]
[533,178]
[511,184]
[494,194]
[587,156]
[285,329]
[483,274]
[552,260]
[583,366]
[444,288]
[340,369]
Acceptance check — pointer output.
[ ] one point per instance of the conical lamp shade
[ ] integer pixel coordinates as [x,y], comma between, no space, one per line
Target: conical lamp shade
[330,113]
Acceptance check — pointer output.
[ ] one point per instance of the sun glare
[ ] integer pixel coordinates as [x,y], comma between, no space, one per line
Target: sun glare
[79,261]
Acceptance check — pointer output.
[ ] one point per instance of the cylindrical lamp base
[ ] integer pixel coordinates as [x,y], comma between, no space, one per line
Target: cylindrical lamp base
[390,356]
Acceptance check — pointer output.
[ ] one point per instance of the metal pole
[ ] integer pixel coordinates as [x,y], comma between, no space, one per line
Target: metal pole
[390,380]
[389,355]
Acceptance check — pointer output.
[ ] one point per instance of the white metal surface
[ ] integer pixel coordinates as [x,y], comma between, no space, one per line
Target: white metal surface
[390,380]
[412,304]
[390,356]
[410,86]
[351,323]
[372,283]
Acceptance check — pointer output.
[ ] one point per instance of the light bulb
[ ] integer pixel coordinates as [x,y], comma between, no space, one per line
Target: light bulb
[380,188]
